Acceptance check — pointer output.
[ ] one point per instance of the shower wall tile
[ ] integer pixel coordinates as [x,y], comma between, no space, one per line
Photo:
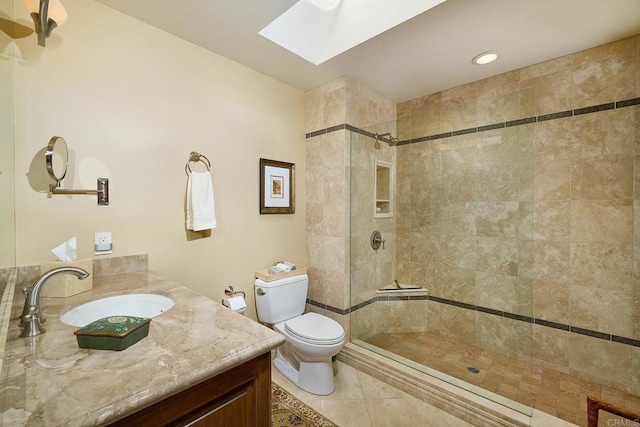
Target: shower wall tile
[365,323]
[457,252]
[498,219]
[497,255]
[546,68]
[458,153]
[498,108]
[502,84]
[499,147]
[602,221]
[637,133]
[635,371]
[552,346]
[497,291]
[366,108]
[601,309]
[451,322]
[637,41]
[604,74]
[499,183]
[403,121]
[458,219]
[552,140]
[325,106]
[499,335]
[636,293]
[455,284]
[606,133]
[459,108]
[551,92]
[551,261]
[607,361]
[602,265]
[403,316]
[552,180]
[604,178]
[459,186]
[550,300]
[636,180]
[425,116]
[551,220]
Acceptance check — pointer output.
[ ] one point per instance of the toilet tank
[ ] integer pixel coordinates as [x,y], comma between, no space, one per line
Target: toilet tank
[281,299]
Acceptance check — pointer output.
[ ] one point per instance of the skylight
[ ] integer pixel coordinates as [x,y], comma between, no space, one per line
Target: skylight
[318,30]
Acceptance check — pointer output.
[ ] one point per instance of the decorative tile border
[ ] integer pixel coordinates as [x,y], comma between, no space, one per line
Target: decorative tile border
[500,313]
[519,122]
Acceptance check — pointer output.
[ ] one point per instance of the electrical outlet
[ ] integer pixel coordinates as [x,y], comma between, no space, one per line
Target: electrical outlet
[103,244]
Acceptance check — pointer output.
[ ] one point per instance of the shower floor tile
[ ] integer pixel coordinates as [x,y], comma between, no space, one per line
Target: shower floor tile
[560,394]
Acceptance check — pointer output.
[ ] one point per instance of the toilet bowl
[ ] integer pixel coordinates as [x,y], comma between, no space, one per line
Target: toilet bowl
[311,339]
[305,358]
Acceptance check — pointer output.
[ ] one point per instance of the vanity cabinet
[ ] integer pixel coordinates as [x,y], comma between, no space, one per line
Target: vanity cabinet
[240,397]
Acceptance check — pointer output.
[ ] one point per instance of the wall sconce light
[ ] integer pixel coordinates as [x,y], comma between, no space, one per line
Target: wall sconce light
[46,14]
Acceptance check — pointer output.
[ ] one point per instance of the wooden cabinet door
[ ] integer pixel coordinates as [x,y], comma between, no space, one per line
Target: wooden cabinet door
[240,397]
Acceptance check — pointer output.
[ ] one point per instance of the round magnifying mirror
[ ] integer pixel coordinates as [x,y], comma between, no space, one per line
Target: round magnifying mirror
[56,158]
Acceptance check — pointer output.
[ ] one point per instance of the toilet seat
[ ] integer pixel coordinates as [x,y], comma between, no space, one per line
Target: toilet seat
[315,329]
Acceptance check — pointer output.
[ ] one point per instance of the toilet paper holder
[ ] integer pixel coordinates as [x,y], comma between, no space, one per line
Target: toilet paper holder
[229,291]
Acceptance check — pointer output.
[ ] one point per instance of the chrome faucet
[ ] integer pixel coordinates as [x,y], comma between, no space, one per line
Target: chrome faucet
[32,317]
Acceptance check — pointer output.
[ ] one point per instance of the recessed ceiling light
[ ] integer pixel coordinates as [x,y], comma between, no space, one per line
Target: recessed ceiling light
[485,58]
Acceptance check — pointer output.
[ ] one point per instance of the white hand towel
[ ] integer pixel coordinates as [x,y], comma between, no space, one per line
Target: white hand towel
[201,211]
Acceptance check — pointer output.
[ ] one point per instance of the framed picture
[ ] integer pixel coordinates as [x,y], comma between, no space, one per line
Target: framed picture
[277,187]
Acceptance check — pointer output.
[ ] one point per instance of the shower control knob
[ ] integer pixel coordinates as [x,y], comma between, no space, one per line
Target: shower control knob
[376,240]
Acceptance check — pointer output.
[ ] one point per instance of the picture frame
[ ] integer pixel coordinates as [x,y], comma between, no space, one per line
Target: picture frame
[277,187]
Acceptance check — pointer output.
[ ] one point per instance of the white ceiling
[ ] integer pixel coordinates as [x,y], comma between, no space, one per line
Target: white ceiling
[426,54]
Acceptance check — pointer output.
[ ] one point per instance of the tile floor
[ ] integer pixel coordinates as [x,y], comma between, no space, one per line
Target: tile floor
[362,401]
[555,393]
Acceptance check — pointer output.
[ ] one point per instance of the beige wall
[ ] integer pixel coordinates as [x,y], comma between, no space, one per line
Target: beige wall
[7,175]
[132,102]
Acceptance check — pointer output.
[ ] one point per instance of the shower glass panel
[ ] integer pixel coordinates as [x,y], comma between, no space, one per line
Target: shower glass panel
[461,233]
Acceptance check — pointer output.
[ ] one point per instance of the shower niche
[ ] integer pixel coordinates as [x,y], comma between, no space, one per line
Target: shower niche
[383,187]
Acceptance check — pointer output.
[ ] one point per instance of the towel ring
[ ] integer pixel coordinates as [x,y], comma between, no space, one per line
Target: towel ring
[194,156]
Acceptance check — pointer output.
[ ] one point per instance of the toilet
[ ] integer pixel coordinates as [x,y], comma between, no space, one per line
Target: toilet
[311,339]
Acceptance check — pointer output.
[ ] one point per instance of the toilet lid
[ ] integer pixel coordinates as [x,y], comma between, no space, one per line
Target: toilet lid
[315,327]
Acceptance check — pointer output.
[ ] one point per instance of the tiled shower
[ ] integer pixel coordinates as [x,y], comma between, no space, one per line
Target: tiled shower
[516,205]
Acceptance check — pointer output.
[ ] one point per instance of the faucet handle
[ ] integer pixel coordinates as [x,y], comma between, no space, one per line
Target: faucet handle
[25,291]
[32,325]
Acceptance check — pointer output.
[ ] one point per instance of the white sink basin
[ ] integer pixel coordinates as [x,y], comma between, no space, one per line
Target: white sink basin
[137,305]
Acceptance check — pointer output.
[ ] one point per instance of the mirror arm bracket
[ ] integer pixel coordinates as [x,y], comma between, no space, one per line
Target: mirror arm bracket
[102,192]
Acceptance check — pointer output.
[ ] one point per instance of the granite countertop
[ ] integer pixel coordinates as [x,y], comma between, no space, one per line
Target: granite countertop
[48,380]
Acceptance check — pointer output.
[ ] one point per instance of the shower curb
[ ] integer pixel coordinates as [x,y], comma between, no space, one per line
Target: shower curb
[463,404]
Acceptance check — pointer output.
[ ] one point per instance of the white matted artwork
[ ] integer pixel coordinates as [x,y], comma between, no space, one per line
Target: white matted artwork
[277,189]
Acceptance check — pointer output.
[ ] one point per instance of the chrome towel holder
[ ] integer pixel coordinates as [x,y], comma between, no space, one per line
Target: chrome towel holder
[194,156]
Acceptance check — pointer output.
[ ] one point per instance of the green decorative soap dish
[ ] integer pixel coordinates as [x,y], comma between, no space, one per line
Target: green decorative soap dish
[113,332]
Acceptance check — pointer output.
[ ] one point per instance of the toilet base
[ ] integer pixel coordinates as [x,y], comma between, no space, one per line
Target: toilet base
[313,377]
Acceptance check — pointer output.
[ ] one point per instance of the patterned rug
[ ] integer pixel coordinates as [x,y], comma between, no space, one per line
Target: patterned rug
[287,411]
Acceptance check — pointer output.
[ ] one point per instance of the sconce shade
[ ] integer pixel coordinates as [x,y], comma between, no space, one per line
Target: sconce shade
[46,14]
[57,12]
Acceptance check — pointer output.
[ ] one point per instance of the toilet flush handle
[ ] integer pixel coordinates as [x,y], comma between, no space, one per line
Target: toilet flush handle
[260,291]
